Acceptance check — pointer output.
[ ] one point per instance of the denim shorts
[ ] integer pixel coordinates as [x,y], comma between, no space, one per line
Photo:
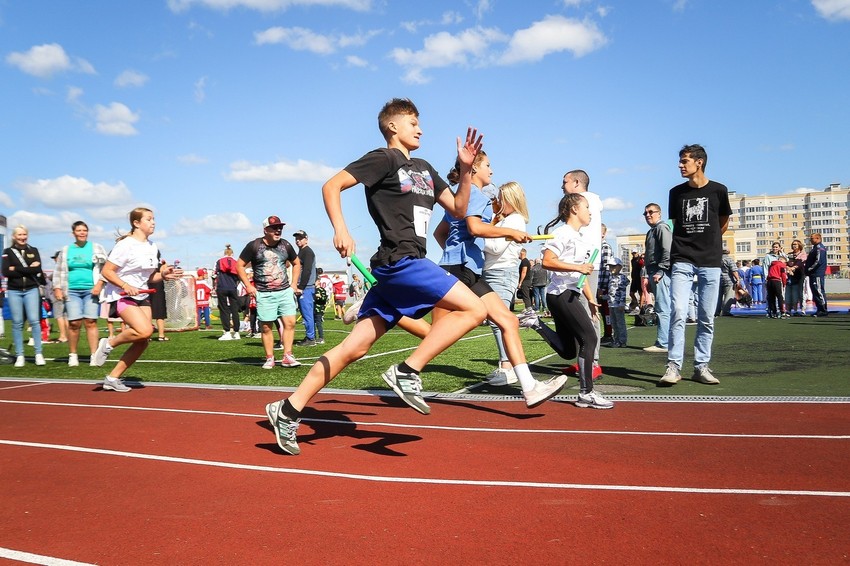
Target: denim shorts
[81,304]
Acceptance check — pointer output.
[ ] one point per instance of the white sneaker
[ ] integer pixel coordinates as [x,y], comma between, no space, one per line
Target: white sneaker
[351,312]
[114,384]
[702,375]
[73,360]
[655,348]
[39,360]
[235,335]
[20,361]
[544,390]
[289,361]
[269,363]
[528,319]
[31,341]
[501,376]
[102,352]
[225,336]
[593,400]
[671,375]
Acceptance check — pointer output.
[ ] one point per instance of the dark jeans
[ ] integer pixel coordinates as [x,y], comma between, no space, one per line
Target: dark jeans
[228,308]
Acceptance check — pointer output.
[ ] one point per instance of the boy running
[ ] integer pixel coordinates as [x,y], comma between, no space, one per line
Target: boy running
[400,194]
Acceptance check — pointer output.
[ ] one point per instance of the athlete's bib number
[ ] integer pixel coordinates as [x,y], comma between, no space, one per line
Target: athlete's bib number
[421,218]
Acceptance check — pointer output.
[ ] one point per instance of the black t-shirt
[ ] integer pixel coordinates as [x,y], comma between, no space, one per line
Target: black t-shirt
[400,195]
[696,223]
[269,263]
[525,264]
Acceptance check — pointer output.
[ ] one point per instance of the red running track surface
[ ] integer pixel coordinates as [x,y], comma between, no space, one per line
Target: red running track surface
[88,476]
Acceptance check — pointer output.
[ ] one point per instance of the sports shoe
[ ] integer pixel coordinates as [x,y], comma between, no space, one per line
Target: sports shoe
[225,336]
[235,335]
[501,376]
[31,341]
[39,360]
[785,315]
[593,400]
[528,319]
[544,390]
[113,384]
[703,375]
[320,340]
[289,361]
[73,360]
[102,352]
[351,312]
[20,361]
[654,348]
[571,370]
[690,321]
[408,386]
[285,429]
[306,342]
[269,364]
[671,375]
[278,346]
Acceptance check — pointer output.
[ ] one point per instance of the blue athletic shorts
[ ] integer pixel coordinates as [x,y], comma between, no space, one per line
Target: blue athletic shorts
[409,287]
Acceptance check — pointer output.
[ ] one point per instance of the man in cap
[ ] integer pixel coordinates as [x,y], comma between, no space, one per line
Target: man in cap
[275,297]
[306,288]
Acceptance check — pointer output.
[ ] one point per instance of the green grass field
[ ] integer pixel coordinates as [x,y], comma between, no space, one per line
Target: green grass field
[751,357]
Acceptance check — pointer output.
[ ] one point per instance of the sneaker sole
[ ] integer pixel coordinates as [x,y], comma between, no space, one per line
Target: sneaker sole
[424,410]
[107,387]
[582,405]
[293,365]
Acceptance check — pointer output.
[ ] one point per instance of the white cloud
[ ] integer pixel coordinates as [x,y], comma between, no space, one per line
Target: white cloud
[680,5]
[115,212]
[468,48]
[131,78]
[553,34]
[281,171]
[355,61]
[67,191]
[266,5]
[5,200]
[302,39]
[115,120]
[192,159]
[614,203]
[201,89]
[476,47]
[44,223]
[46,60]
[804,190]
[214,223]
[833,9]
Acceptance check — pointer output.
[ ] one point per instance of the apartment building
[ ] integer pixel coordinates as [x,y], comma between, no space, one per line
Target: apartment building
[758,221]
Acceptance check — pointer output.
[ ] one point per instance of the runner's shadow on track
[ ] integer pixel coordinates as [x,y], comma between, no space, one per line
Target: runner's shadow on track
[330,424]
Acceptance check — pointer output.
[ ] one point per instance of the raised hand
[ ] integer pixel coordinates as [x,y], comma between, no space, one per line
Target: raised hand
[467,150]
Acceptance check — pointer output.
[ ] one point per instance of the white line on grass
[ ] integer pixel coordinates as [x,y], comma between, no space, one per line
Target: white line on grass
[425,481]
[445,428]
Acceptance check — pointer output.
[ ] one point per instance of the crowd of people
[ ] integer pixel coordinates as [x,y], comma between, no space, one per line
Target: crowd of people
[685,273]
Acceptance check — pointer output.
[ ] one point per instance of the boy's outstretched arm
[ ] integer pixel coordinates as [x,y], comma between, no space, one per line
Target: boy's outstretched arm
[455,204]
[331,191]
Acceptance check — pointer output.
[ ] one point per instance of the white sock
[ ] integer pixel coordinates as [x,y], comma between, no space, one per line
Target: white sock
[526,381]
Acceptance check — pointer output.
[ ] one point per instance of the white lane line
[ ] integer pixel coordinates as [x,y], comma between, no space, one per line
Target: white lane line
[445,428]
[30,558]
[25,385]
[426,481]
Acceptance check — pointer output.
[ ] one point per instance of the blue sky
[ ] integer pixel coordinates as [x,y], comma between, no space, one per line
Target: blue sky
[216,113]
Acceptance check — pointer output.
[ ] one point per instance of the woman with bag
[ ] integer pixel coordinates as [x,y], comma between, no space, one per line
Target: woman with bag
[22,269]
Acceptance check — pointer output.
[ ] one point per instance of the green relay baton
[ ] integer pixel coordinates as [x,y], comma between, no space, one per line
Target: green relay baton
[367,275]
[583,277]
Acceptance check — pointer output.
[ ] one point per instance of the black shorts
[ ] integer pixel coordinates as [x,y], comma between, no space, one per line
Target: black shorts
[470,279]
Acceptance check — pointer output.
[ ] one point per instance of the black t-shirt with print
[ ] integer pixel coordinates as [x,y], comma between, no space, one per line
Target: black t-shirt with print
[400,195]
[269,263]
[696,213]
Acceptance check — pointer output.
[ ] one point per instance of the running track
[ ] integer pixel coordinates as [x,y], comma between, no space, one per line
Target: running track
[183,475]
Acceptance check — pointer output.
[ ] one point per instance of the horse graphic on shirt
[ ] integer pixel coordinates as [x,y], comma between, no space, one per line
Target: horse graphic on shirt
[695,209]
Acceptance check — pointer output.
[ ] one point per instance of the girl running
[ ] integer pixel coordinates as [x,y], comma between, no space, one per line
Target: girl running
[132,265]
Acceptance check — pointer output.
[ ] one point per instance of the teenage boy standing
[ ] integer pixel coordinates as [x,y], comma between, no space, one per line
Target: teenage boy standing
[700,212]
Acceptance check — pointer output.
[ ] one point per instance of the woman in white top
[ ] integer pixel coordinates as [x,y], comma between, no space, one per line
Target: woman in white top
[501,263]
[567,256]
[133,264]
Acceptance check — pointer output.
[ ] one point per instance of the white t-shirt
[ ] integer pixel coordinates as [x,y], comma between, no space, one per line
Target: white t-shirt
[500,253]
[592,233]
[136,262]
[569,247]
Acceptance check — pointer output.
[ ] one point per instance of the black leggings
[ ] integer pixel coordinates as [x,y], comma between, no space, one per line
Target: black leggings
[573,324]
[228,307]
[774,297]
